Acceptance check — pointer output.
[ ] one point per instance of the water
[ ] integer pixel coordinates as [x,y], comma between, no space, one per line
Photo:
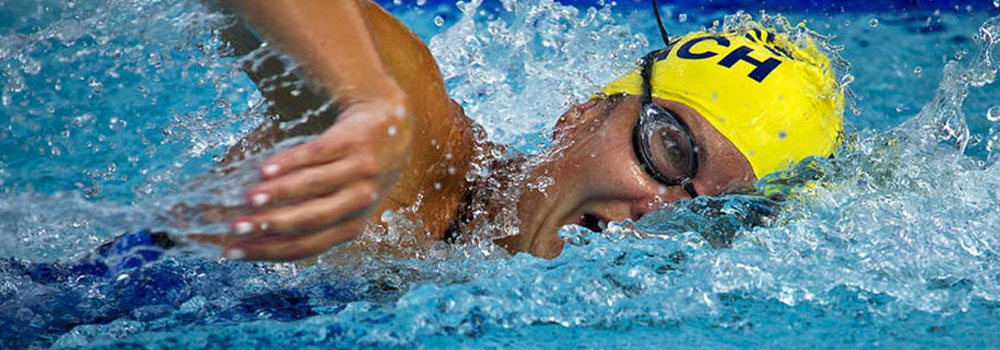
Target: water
[111,112]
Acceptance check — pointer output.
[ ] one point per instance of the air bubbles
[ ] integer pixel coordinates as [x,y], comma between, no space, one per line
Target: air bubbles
[30,66]
[899,108]
[873,22]
[993,114]
[392,130]
[117,124]
[961,53]
[421,2]
[438,21]
[95,86]
[682,18]
[918,70]
[85,118]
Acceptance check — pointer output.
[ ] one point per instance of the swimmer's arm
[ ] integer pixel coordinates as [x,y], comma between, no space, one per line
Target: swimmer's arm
[404,56]
[331,40]
[319,194]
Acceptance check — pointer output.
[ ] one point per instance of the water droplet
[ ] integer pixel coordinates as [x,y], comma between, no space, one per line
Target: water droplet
[386,216]
[95,86]
[960,54]
[846,79]
[392,130]
[917,70]
[993,114]
[452,170]
[438,21]
[682,18]
[437,186]
[873,22]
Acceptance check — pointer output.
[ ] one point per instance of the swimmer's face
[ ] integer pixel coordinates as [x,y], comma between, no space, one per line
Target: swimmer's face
[597,177]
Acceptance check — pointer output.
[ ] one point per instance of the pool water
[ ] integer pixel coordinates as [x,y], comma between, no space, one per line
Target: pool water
[112,112]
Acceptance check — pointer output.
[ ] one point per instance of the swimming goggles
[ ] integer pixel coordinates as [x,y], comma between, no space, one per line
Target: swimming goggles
[663,142]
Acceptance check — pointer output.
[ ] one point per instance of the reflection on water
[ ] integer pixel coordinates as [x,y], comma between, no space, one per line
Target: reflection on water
[113,111]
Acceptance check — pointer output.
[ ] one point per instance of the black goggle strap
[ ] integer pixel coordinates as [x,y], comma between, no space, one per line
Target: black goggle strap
[647,76]
[689,188]
[659,22]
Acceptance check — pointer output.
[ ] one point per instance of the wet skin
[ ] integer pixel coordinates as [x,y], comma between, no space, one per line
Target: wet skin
[597,176]
[321,194]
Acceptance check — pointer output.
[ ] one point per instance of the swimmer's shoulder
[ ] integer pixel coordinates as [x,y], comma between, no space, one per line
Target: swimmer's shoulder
[444,143]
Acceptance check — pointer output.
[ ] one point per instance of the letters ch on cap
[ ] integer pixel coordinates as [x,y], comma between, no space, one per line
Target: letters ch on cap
[761,68]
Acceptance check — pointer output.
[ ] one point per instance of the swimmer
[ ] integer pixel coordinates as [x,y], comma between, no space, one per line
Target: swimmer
[708,114]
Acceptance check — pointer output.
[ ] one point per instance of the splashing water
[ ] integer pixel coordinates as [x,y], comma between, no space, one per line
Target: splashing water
[112,111]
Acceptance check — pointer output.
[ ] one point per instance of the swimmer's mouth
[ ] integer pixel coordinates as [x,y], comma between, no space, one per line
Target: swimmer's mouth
[592,222]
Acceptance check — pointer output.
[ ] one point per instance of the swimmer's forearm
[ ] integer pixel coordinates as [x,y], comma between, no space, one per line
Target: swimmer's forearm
[331,39]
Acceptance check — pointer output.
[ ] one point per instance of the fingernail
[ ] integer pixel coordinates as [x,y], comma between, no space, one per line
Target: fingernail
[243,227]
[270,169]
[259,199]
[235,254]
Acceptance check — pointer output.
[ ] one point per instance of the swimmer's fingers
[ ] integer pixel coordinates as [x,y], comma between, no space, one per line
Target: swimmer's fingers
[205,238]
[289,248]
[311,182]
[362,128]
[328,147]
[311,214]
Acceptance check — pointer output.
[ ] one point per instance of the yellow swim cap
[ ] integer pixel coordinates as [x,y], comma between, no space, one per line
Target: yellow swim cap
[777,102]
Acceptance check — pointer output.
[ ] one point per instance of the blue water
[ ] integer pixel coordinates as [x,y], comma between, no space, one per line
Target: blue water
[113,111]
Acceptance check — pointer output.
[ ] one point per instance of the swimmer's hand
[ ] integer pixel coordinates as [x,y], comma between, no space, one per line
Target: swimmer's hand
[319,194]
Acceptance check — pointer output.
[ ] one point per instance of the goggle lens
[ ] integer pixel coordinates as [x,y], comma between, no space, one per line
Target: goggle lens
[665,147]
